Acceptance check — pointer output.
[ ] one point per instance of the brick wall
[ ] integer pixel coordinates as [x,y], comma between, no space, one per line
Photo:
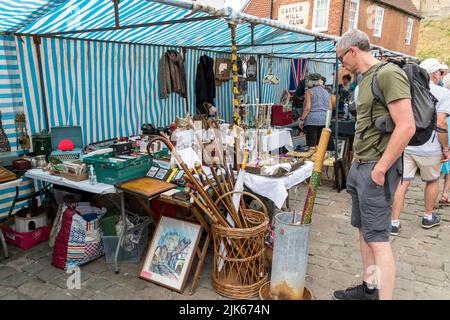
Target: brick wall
[394,28]
[394,22]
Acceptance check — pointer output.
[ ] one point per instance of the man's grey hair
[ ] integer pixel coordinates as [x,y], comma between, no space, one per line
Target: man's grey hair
[354,38]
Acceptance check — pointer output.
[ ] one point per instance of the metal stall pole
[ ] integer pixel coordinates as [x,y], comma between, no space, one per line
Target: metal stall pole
[236,115]
[336,126]
[37,42]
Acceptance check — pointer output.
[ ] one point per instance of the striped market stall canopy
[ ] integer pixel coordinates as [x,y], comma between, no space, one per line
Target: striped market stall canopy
[178,24]
[95,63]
[15,14]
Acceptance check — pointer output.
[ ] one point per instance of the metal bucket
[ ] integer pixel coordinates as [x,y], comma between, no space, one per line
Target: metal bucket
[290,258]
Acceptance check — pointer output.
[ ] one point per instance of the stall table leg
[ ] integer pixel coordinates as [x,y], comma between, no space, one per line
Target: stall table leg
[122,231]
[200,254]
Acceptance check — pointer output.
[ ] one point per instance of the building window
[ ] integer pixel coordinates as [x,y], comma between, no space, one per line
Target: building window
[409,30]
[354,13]
[379,15]
[320,15]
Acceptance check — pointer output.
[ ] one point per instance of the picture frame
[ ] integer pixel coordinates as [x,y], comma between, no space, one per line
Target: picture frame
[179,175]
[152,171]
[341,148]
[162,174]
[171,253]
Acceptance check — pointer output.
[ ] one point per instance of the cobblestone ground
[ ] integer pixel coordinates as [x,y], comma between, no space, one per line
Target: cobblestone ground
[423,261]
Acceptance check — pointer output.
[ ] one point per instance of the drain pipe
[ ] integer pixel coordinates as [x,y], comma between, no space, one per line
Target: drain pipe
[342,17]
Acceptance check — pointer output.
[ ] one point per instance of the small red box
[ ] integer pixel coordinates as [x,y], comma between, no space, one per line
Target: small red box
[161,208]
[26,240]
[281,115]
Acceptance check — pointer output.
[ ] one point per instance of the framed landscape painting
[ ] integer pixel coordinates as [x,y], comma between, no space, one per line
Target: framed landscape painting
[171,253]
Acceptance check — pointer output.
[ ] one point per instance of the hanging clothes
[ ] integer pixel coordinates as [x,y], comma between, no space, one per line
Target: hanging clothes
[172,74]
[205,86]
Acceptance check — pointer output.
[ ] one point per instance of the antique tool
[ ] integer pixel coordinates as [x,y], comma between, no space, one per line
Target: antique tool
[4,142]
[23,139]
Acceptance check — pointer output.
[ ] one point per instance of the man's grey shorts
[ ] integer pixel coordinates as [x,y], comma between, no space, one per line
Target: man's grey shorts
[371,203]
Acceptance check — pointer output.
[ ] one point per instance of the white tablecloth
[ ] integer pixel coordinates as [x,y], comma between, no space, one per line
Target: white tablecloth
[276,189]
[277,139]
[99,188]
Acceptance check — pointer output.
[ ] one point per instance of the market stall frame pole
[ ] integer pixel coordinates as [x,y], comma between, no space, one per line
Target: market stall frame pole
[37,42]
[336,125]
[236,111]
[115,28]
[116,13]
[184,50]
[259,78]
[268,44]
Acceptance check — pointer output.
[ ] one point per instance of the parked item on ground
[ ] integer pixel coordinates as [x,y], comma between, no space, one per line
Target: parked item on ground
[79,238]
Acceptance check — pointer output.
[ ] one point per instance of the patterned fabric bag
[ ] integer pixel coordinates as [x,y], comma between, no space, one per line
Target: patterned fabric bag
[79,237]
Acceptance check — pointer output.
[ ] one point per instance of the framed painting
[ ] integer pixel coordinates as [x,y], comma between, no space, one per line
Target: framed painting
[171,253]
[152,172]
[162,174]
[341,148]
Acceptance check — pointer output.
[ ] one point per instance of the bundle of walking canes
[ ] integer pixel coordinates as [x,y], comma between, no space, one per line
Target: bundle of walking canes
[213,194]
[221,185]
[238,232]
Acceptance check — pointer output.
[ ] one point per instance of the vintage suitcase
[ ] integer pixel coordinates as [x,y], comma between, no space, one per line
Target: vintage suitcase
[73,133]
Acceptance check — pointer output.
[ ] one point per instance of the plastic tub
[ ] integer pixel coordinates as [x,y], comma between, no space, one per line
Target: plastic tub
[134,244]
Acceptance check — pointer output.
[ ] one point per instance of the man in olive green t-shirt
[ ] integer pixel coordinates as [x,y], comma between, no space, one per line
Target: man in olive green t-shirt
[376,168]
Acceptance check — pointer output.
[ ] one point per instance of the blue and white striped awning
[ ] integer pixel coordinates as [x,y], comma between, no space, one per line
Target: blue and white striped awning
[15,14]
[178,24]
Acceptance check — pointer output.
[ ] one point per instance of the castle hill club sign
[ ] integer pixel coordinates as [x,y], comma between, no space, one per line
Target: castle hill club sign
[296,14]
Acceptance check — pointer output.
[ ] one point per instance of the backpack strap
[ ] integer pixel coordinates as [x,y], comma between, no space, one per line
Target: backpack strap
[377,98]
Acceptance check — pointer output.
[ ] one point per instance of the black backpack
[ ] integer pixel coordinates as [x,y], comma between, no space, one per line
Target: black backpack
[423,103]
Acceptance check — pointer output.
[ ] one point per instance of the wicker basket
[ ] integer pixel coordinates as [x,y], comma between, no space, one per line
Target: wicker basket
[239,256]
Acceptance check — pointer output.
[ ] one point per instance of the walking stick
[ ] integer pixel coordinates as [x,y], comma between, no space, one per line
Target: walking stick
[315,176]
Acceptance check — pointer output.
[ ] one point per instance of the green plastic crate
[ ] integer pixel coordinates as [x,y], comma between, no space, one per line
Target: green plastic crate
[111,172]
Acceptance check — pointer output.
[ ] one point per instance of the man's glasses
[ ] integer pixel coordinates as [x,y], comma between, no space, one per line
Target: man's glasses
[341,58]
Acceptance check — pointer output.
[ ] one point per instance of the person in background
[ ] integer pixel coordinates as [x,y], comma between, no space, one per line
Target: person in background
[446,165]
[428,157]
[317,103]
[444,72]
[344,91]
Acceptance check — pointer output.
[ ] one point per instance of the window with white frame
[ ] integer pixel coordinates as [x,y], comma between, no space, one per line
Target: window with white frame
[320,15]
[379,15]
[354,13]
[409,30]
